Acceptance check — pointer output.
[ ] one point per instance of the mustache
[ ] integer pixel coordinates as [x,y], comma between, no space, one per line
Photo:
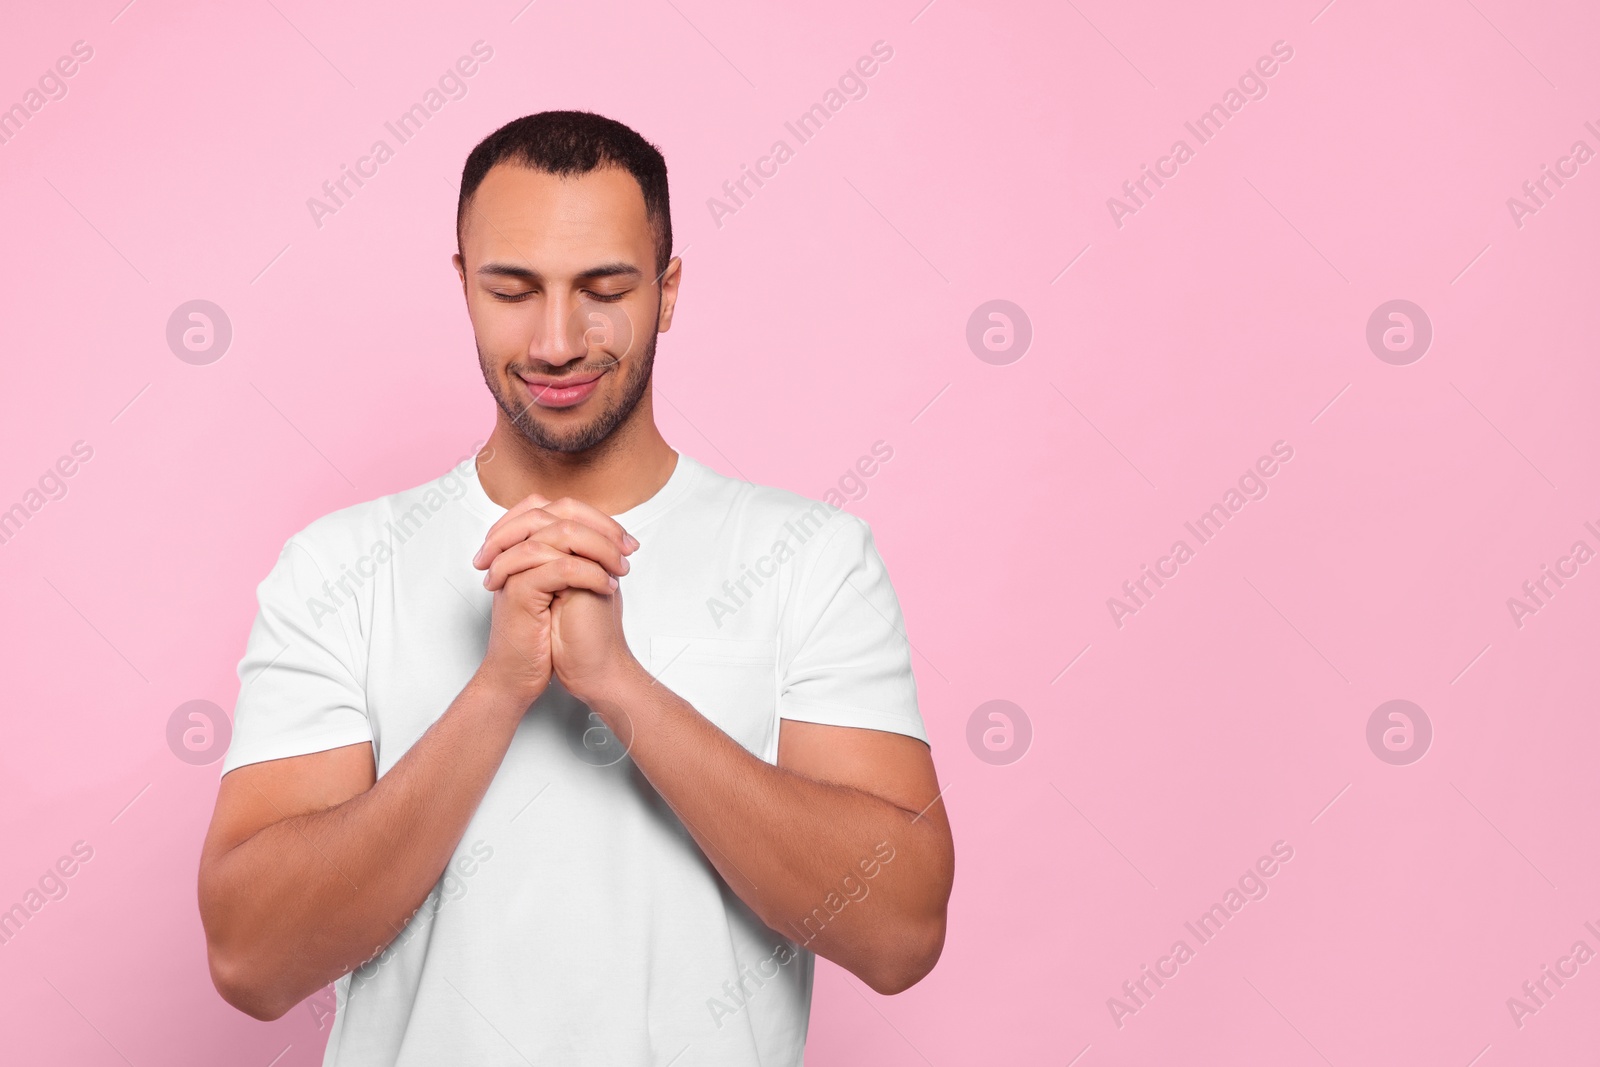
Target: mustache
[547,370]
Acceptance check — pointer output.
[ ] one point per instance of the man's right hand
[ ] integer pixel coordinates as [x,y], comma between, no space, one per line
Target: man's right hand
[537,549]
[314,862]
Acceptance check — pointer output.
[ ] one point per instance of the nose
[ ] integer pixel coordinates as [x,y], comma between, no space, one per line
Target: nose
[559,339]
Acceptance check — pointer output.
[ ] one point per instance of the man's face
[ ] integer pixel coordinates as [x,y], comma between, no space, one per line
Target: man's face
[559,275]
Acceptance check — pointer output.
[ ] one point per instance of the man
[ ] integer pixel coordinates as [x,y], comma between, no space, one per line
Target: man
[601,802]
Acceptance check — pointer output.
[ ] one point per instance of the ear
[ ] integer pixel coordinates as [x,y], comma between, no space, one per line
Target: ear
[669,293]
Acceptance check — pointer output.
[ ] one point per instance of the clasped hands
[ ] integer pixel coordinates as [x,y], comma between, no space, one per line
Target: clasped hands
[553,567]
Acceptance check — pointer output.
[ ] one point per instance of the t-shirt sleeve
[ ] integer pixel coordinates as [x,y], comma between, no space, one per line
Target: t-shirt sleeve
[299,691]
[844,657]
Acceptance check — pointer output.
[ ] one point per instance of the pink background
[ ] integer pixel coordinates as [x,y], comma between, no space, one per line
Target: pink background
[826,315]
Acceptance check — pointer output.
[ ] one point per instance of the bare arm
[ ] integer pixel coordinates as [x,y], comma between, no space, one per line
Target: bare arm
[311,867]
[841,803]
[843,846]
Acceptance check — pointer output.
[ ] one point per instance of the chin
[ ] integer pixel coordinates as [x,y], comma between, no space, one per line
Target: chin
[570,433]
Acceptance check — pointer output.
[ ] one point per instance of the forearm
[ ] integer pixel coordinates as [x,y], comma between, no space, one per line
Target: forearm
[311,897]
[851,876]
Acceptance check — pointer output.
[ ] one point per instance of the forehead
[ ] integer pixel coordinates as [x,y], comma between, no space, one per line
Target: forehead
[519,213]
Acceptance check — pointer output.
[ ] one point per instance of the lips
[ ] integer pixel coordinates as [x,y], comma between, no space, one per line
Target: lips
[562,392]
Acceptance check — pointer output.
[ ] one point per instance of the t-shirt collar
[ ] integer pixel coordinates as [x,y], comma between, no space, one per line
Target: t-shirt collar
[685,473]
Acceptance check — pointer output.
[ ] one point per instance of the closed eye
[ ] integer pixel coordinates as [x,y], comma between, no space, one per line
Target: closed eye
[512,298]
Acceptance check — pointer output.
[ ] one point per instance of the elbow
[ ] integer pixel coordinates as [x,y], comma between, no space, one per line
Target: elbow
[914,960]
[239,972]
[236,983]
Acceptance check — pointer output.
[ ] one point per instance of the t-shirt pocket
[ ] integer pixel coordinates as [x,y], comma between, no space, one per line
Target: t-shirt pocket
[732,682]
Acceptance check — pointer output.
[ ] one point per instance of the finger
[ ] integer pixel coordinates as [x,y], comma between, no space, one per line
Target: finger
[566,572]
[523,556]
[517,510]
[503,535]
[576,539]
[511,529]
[568,508]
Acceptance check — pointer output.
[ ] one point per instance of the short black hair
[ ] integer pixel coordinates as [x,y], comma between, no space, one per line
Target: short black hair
[567,143]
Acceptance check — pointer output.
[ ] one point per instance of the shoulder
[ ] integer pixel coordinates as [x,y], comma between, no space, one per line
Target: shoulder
[814,541]
[350,531]
[767,511]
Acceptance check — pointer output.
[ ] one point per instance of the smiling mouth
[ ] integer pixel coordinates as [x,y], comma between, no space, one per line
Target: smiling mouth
[562,392]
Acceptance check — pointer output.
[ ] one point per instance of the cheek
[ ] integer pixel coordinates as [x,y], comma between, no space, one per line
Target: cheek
[501,329]
[626,325]
[635,332]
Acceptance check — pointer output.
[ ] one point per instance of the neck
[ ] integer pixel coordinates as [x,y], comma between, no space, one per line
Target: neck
[621,472]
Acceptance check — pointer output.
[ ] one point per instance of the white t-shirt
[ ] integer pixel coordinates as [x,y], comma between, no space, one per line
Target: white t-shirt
[577,922]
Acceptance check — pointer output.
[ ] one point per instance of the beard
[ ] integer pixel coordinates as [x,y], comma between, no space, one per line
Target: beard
[635,382]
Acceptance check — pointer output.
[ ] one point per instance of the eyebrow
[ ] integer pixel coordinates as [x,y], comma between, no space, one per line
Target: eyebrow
[528,274]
